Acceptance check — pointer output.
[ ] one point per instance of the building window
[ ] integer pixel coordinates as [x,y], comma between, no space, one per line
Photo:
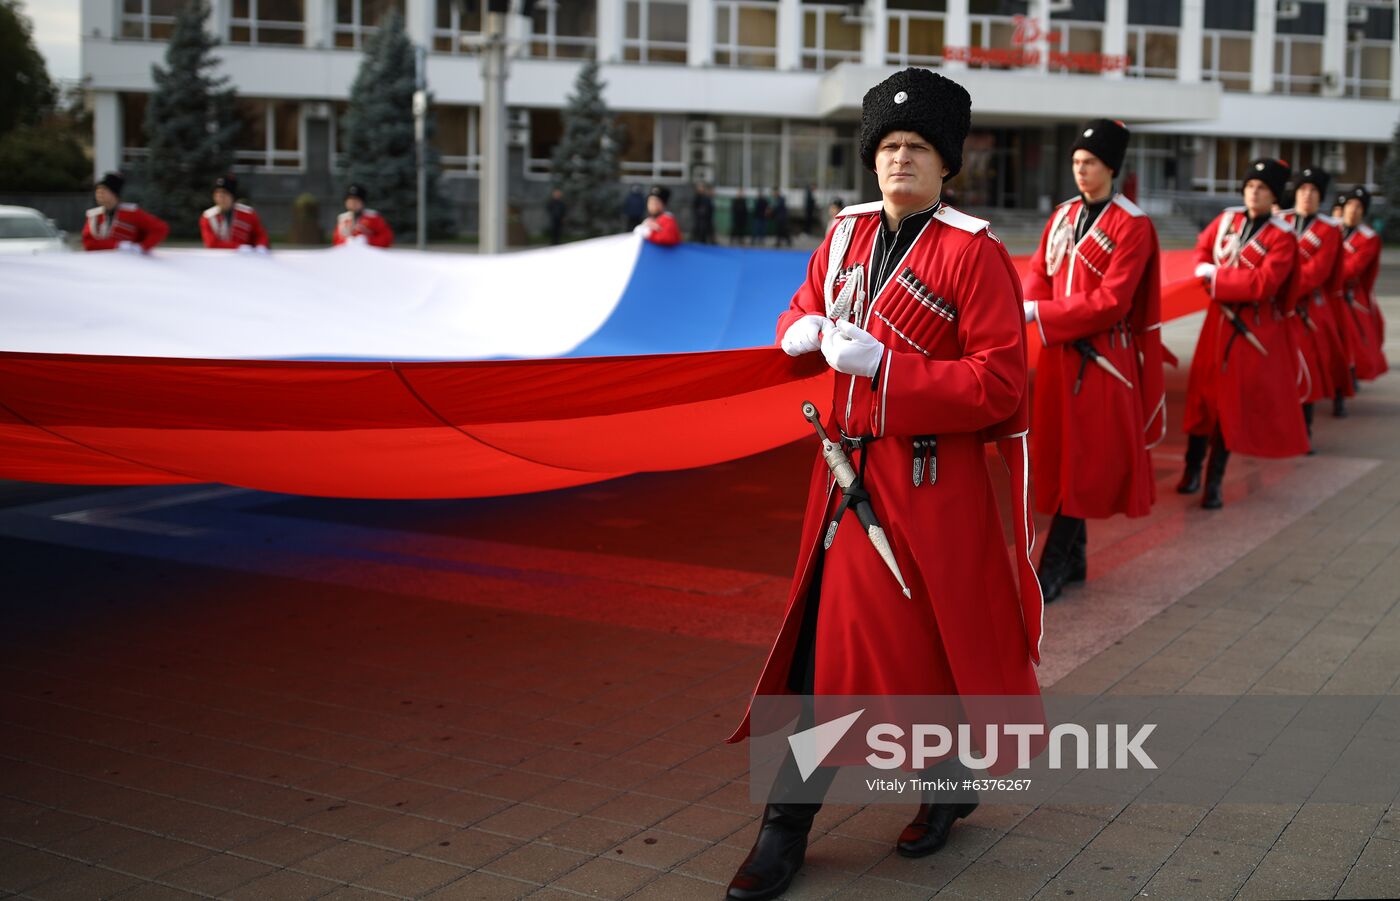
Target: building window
[1297,65]
[546,132]
[134,143]
[823,156]
[916,33]
[453,24]
[1368,69]
[565,29]
[1225,57]
[652,146]
[746,33]
[356,20]
[988,32]
[748,152]
[656,31]
[828,37]
[149,20]
[1220,164]
[455,139]
[1151,52]
[267,22]
[271,135]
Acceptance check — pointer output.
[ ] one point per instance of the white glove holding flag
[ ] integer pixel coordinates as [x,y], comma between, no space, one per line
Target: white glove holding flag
[1205,270]
[805,335]
[851,349]
[262,249]
[129,246]
[1029,307]
[245,248]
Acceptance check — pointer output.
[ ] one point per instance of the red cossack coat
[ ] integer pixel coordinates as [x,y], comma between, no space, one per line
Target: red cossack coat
[661,229]
[369,225]
[1251,396]
[128,222]
[245,228]
[954,367]
[1090,444]
[1315,279]
[1361,263]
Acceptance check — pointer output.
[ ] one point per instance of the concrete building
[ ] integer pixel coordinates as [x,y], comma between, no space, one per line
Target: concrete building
[757,94]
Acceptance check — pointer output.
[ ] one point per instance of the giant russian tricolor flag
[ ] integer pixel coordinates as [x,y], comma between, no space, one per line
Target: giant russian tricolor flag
[356,372]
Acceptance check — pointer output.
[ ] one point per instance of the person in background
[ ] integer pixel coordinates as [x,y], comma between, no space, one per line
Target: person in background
[809,210]
[702,208]
[660,226]
[781,237]
[833,210]
[358,223]
[1361,261]
[1338,206]
[230,225]
[556,210]
[113,225]
[738,218]
[1242,393]
[758,225]
[634,207]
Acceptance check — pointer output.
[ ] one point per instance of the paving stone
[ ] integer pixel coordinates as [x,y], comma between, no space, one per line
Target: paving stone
[410,876]
[283,884]
[1204,867]
[1377,872]
[537,863]
[605,878]
[216,875]
[483,887]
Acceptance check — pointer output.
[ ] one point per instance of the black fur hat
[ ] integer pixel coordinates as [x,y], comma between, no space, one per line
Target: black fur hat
[226,183]
[660,191]
[920,101]
[354,189]
[1106,139]
[1273,173]
[1315,176]
[112,181]
[1358,193]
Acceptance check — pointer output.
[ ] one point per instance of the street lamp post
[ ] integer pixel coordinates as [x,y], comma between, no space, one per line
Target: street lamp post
[420,139]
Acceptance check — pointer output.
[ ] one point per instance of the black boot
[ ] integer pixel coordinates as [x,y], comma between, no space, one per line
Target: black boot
[1307,421]
[1056,559]
[1079,554]
[1214,498]
[1195,455]
[940,809]
[1339,405]
[929,830]
[777,855]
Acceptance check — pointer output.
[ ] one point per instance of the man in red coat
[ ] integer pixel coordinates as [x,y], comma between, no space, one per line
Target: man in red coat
[659,227]
[1099,402]
[1314,281]
[113,225]
[1361,263]
[229,224]
[360,224]
[917,309]
[1242,394]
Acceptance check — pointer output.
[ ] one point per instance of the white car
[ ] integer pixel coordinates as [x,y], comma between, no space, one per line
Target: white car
[26,230]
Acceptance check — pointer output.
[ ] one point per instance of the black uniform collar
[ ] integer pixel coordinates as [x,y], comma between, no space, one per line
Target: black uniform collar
[892,244]
[1254,224]
[1302,223]
[1089,215]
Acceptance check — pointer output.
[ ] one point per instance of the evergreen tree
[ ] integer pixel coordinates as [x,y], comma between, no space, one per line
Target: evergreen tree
[26,93]
[191,124]
[1390,187]
[585,161]
[379,141]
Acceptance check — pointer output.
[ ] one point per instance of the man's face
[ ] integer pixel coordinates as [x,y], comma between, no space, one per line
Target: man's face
[1351,213]
[1307,199]
[1091,176]
[104,196]
[655,207]
[354,204]
[1258,198]
[909,170]
[223,199]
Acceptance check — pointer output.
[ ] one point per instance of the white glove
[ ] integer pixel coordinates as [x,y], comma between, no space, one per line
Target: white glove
[1205,270]
[805,335]
[644,228]
[361,240]
[262,249]
[245,248]
[851,349]
[129,246]
[1029,307]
